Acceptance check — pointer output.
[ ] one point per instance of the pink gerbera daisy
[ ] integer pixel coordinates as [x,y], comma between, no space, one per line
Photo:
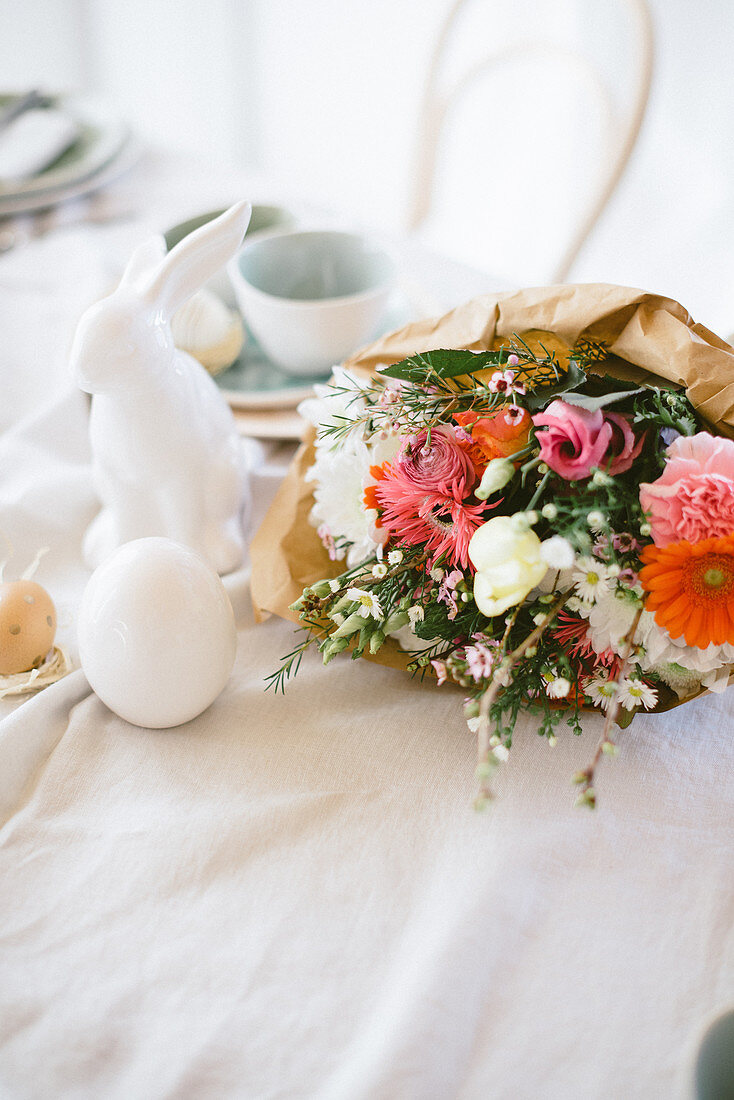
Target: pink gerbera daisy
[420,517]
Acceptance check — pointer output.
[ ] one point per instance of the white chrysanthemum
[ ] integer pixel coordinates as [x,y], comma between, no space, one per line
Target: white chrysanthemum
[636,693]
[416,614]
[332,407]
[590,578]
[660,648]
[341,472]
[717,680]
[611,618]
[340,477]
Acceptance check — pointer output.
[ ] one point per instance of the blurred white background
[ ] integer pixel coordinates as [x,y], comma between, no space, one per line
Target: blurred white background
[322,97]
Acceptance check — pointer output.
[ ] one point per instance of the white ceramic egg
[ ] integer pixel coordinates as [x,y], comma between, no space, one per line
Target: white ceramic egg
[156,633]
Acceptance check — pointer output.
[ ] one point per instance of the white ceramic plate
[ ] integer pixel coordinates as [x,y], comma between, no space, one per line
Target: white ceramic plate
[127,157]
[102,142]
[255,382]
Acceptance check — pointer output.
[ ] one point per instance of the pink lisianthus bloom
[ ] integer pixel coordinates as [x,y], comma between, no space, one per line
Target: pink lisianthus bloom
[576,440]
[693,499]
[435,462]
[624,448]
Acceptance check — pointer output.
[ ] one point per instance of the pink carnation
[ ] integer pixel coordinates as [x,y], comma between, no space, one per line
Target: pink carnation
[693,499]
[576,440]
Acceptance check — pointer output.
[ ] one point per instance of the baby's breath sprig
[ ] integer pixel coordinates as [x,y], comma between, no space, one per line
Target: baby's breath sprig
[595,510]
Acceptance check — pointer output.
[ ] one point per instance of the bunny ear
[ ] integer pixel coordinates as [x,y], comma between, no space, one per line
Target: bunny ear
[144,261]
[196,258]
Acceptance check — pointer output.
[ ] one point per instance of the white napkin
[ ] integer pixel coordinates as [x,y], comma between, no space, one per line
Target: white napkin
[33,141]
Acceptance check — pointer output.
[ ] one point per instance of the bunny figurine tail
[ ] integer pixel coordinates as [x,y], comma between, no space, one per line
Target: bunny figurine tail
[167,457]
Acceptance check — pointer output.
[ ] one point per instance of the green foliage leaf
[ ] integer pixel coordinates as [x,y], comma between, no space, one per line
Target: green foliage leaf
[593,404]
[437,624]
[624,717]
[445,363]
[570,380]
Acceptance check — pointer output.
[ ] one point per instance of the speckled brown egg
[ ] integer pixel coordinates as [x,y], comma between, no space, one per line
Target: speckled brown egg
[27,626]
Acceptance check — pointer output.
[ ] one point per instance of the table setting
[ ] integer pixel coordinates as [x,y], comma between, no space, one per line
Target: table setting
[361,885]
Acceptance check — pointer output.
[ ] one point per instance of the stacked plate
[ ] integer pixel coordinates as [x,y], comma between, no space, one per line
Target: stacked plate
[101,149]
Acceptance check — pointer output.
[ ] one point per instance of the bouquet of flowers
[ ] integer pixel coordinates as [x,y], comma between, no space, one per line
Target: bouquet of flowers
[529,524]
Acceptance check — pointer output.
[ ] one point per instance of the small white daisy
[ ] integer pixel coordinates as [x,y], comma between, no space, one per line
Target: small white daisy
[590,579]
[601,690]
[395,557]
[635,693]
[379,571]
[369,604]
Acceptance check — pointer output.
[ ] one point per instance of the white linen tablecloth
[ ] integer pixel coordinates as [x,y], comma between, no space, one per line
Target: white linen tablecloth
[292,896]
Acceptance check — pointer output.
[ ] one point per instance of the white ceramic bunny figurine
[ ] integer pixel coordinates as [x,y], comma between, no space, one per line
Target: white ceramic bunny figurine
[167,459]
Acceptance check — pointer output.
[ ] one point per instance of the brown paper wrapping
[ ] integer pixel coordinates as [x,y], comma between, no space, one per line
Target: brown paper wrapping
[650,337]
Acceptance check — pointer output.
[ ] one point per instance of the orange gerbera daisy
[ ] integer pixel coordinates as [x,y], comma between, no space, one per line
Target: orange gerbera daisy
[690,588]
